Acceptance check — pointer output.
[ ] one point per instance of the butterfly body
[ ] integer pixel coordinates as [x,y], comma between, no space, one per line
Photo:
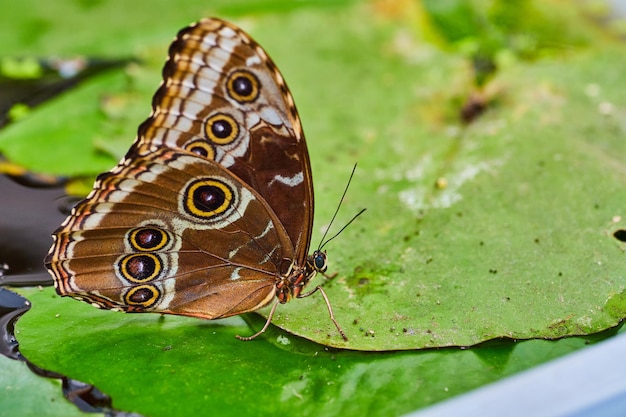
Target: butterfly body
[210,212]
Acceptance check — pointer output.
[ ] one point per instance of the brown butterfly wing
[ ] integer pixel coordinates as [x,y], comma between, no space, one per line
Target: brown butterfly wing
[224,99]
[168,231]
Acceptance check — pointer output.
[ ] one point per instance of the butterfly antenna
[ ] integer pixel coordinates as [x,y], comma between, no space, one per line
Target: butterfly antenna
[322,243]
[343,228]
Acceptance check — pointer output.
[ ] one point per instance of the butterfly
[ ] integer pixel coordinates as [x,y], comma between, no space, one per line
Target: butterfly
[210,212]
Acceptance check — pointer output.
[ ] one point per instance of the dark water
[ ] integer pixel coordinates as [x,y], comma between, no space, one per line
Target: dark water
[29,212]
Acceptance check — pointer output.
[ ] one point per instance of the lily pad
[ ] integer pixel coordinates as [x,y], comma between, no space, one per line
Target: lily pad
[19,385]
[178,366]
[503,228]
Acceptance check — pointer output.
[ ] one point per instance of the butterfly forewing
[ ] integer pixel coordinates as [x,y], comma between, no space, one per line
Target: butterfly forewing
[224,99]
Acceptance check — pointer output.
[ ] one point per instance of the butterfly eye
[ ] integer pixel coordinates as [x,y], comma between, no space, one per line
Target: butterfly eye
[201,148]
[142,295]
[221,129]
[148,239]
[207,198]
[140,267]
[319,260]
[243,86]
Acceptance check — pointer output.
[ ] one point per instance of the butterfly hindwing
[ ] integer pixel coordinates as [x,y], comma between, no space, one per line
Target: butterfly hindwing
[169,231]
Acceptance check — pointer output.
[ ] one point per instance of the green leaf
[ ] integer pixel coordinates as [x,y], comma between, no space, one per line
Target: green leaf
[518,244]
[515,241]
[20,69]
[178,366]
[19,387]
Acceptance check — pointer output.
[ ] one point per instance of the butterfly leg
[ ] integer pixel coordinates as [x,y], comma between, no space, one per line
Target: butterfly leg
[267,324]
[330,309]
[329,277]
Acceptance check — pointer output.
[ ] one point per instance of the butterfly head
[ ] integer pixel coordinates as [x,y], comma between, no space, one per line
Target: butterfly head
[319,261]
